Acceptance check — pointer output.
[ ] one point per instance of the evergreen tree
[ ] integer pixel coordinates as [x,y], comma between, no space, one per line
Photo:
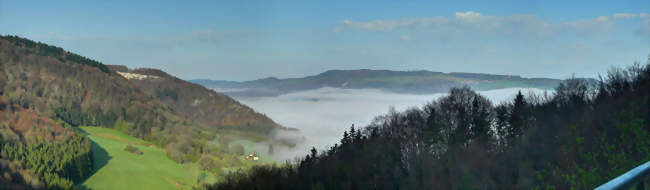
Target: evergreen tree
[481,120]
[517,118]
[501,124]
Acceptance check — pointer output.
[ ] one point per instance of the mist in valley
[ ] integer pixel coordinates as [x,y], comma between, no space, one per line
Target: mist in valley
[322,115]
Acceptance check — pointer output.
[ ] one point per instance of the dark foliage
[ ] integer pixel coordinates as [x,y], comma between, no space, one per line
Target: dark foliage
[53,51]
[57,165]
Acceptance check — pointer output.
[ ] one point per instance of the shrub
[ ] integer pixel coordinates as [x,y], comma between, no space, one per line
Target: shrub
[132,149]
[206,163]
[174,153]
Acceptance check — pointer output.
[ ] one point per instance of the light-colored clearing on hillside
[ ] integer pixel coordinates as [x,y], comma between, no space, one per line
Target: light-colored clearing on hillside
[136,76]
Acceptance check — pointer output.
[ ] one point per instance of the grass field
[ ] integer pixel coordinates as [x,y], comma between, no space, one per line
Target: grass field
[118,169]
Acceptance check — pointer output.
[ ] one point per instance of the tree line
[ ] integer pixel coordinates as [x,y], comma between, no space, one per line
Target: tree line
[43,49]
[578,137]
[55,165]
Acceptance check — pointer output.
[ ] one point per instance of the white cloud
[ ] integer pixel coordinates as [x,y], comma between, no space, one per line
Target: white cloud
[472,17]
[379,25]
[624,15]
[204,36]
[644,15]
[598,24]
[602,23]
[501,25]
[405,37]
[468,14]
[644,30]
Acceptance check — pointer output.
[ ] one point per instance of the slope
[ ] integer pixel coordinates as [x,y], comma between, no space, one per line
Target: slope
[196,102]
[46,92]
[118,169]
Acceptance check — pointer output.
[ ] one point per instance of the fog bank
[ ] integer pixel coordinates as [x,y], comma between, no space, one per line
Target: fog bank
[323,115]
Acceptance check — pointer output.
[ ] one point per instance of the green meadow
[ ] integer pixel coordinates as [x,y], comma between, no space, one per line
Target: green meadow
[116,168]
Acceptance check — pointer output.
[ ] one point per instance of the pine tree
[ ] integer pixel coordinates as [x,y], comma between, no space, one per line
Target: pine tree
[501,124]
[480,121]
[517,118]
[352,134]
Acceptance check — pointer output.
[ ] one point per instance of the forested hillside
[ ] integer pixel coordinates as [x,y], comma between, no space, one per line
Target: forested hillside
[577,138]
[46,92]
[198,103]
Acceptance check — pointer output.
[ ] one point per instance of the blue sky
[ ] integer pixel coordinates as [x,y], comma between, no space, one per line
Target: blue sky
[243,40]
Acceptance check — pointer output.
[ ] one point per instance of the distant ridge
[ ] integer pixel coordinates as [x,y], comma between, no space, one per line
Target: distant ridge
[409,82]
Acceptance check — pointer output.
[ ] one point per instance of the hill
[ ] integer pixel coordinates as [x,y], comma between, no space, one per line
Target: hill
[47,92]
[196,102]
[578,138]
[413,82]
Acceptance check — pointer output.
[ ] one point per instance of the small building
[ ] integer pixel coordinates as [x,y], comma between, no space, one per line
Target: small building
[253,156]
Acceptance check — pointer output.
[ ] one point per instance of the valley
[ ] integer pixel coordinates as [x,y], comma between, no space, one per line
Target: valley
[151,128]
[310,112]
[324,95]
[115,168]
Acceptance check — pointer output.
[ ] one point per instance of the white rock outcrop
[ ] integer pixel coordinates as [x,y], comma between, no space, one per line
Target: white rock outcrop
[136,76]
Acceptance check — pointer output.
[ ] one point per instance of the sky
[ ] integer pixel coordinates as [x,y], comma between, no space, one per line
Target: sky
[246,40]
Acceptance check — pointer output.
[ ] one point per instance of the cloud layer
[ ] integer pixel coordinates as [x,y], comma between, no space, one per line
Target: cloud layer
[322,115]
[472,22]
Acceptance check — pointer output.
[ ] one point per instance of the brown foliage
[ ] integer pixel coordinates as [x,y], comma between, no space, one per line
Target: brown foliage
[199,103]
